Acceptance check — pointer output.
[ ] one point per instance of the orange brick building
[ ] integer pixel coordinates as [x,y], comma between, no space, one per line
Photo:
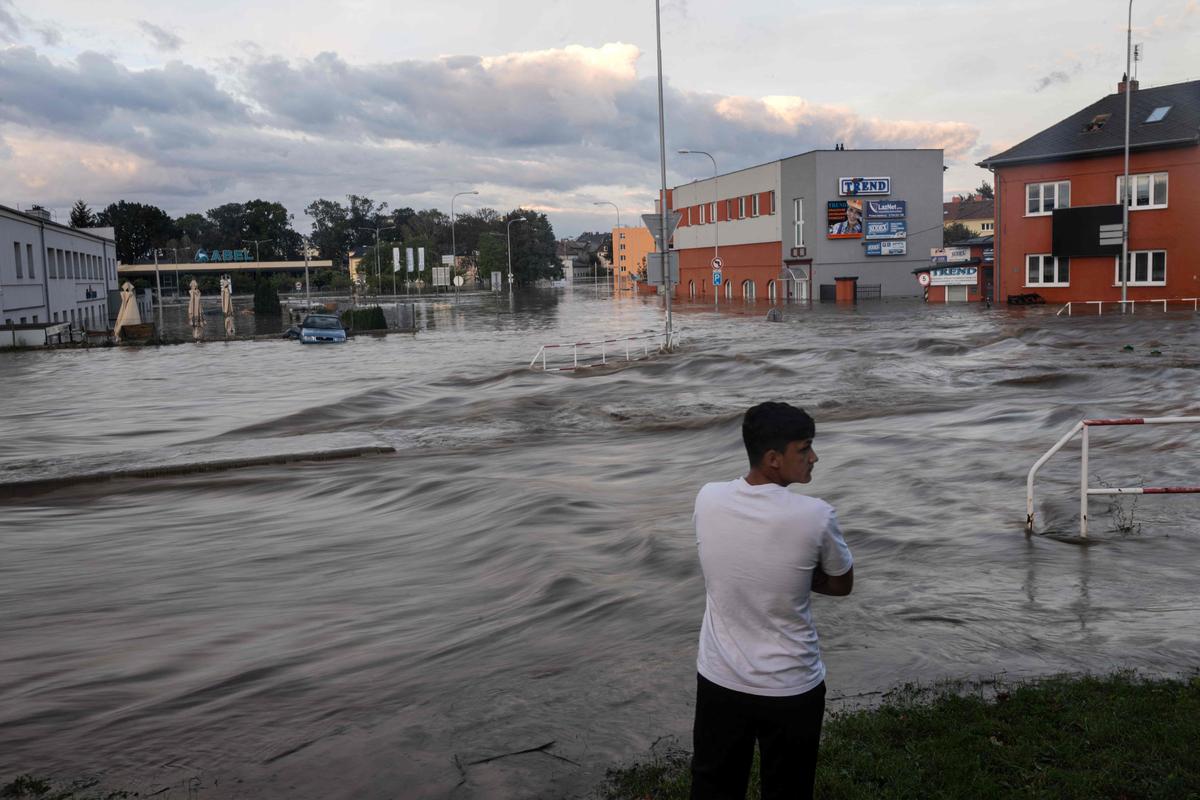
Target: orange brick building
[1079,162]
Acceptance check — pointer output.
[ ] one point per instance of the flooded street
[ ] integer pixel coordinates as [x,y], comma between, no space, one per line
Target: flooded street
[522,570]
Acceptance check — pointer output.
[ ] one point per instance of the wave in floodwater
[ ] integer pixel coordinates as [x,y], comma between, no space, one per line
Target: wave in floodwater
[521,569]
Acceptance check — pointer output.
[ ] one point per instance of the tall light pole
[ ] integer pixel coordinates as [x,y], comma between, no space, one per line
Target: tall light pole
[614,244]
[716,200]
[378,274]
[508,236]
[453,241]
[256,243]
[1126,194]
[662,166]
[307,294]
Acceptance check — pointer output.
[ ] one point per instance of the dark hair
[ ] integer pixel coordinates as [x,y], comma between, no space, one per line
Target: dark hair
[770,426]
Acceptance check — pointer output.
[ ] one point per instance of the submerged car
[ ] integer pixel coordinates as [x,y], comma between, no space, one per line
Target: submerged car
[321,328]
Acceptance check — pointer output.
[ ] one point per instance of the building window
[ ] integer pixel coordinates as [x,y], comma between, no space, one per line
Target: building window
[622,255]
[1149,191]
[741,208]
[1149,268]
[798,212]
[1042,198]
[17,258]
[987,226]
[703,214]
[29,260]
[771,209]
[712,211]
[622,236]
[1046,270]
[754,205]
[62,263]
[728,209]
[1158,114]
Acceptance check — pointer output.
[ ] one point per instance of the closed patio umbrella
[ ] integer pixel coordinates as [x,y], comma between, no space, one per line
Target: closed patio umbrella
[227,303]
[128,314]
[195,313]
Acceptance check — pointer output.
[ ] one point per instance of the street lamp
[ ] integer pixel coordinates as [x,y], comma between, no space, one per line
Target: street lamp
[256,243]
[453,241]
[1125,194]
[716,200]
[614,244]
[378,274]
[508,236]
[662,168]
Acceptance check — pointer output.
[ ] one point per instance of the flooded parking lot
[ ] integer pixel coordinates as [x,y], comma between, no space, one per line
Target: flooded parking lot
[522,569]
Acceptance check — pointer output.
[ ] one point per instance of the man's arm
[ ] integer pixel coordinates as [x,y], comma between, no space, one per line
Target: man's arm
[834,585]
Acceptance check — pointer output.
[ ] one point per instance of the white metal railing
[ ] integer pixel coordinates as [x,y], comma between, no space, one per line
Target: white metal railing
[1084,490]
[1099,304]
[631,344]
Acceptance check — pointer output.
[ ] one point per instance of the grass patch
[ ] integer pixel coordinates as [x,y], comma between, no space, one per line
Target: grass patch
[1119,737]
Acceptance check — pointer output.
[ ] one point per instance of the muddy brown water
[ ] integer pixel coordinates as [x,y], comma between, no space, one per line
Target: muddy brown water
[522,570]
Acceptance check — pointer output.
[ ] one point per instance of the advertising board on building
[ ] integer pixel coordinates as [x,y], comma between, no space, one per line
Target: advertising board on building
[954,276]
[949,255]
[886,209]
[892,247]
[989,254]
[887,229]
[849,187]
[844,219]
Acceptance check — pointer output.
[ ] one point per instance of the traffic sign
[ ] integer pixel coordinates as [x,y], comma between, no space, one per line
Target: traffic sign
[654,223]
[923,279]
[716,278]
[717,263]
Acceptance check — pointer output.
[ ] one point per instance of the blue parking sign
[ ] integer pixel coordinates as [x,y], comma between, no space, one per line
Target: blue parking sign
[716,278]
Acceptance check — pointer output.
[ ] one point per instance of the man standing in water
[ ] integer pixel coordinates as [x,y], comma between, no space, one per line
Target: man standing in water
[763,550]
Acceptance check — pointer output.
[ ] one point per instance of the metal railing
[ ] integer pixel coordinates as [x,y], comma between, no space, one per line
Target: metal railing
[1099,304]
[631,344]
[1084,490]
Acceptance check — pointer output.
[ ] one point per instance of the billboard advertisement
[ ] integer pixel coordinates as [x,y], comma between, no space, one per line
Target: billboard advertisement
[887,229]
[844,219]
[949,254]
[886,209]
[892,247]
[954,276]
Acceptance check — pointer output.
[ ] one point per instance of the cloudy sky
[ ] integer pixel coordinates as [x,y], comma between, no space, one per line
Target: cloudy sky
[548,104]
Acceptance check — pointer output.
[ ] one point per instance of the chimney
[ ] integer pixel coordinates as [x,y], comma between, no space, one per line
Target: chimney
[1133,84]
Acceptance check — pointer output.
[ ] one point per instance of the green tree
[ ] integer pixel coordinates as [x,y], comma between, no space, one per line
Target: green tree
[956,232]
[492,255]
[82,216]
[533,248]
[266,298]
[139,229]
[985,191]
[330,229]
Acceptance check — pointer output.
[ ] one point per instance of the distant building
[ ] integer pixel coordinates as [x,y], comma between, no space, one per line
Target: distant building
[788,229]
[629,249]
[975,213]
[959,273]
[1077,165]
[53,274]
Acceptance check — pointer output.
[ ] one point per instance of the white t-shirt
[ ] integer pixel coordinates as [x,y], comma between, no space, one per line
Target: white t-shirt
[758,547]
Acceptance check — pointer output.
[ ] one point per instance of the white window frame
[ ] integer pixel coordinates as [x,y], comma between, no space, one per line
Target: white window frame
[1149,259]
[1042,270]
[741,207]
[798,214]
[1151,182]
[754,204]
[1042,194]
[704,213]
[712,212]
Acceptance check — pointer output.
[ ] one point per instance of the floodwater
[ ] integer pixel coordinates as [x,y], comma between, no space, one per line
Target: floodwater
[522,570]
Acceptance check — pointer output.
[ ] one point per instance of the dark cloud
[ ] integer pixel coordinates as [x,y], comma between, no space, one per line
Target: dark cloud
[51,36]
[161,38]
[1055,77]
[10,31]
[550,129]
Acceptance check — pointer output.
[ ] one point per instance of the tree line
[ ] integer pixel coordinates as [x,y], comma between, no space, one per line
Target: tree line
[265,229]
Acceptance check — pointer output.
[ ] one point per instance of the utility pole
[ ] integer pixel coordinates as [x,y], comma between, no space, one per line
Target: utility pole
[662,165]
[1126,194]
[158,283]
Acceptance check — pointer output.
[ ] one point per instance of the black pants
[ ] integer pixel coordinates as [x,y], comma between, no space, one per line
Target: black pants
[788,731]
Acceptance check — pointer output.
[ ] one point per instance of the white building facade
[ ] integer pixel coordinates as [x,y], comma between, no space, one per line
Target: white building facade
[52,274]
